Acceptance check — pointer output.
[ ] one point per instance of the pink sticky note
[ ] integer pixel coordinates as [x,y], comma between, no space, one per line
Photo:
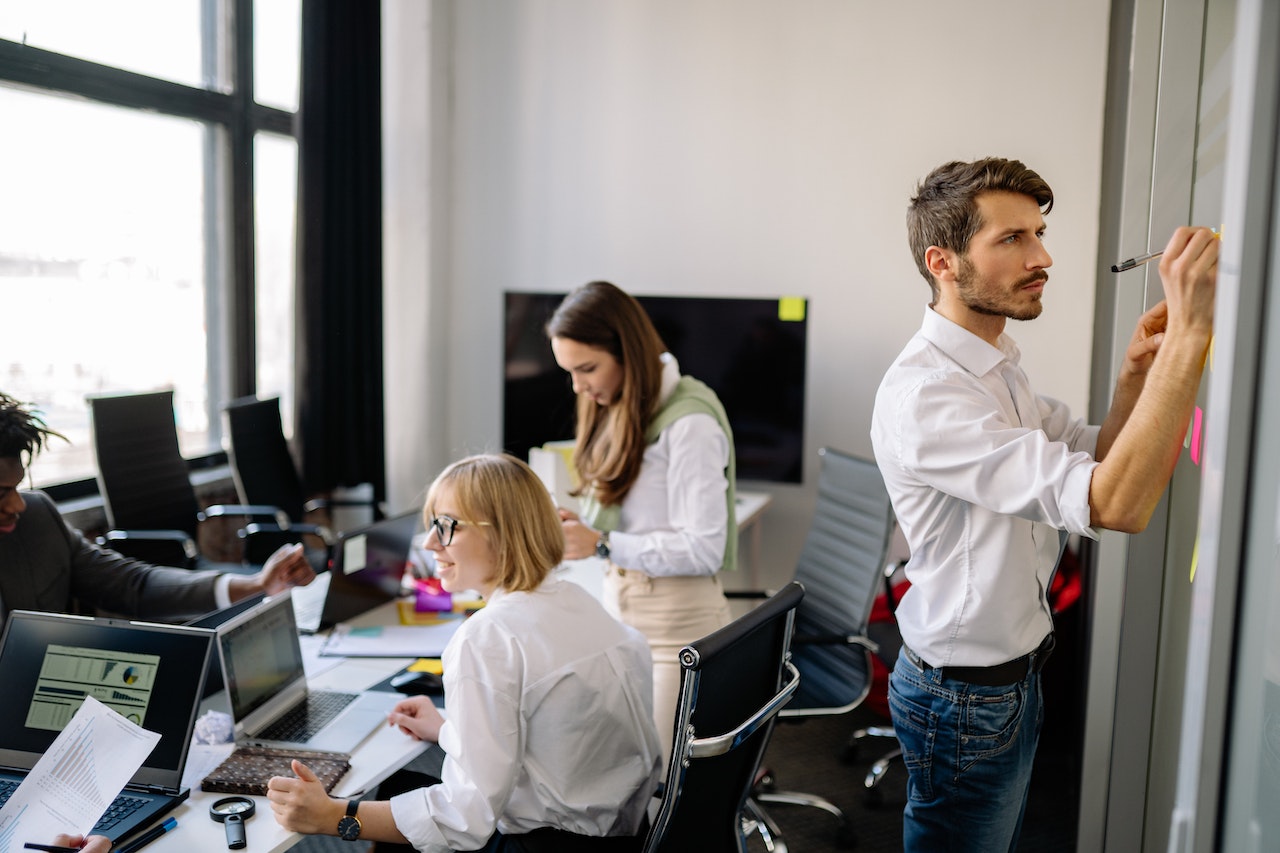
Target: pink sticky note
[1196,422]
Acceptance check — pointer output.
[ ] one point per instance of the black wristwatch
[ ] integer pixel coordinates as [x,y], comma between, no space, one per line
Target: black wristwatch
[602,545]
[349,826]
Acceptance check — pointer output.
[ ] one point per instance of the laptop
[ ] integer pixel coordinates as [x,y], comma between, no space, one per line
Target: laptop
[213,681]
[151,674]
[368,565]
[266,682]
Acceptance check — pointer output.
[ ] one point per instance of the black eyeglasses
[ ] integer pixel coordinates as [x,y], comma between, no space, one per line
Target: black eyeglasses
[444,526]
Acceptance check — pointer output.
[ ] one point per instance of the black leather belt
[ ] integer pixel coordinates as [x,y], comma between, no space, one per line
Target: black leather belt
[1009,672]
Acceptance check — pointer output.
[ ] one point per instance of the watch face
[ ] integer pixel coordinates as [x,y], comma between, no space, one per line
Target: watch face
[349,828]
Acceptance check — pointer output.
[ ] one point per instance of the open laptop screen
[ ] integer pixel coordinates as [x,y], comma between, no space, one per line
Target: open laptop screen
[260,655]
[368,566]
[150,674]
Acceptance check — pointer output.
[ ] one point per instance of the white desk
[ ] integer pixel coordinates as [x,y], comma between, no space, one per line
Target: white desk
[750,508]
[381,754]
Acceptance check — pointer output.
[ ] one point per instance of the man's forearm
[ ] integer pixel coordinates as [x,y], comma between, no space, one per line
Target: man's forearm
[1140,458]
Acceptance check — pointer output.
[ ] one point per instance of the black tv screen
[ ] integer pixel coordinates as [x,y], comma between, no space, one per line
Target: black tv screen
[752,352]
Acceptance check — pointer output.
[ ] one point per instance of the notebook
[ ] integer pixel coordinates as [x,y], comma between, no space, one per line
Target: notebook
[368,565]
[150,674]
[266,682]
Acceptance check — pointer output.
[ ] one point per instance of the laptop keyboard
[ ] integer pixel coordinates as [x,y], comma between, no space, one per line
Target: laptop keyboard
[301,722]
[121,807]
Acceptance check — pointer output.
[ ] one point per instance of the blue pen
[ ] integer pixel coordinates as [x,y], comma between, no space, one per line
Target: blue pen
[150,835]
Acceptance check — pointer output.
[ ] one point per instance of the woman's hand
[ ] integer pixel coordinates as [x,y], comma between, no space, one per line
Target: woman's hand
[417,717]
[301,804]
[579,540]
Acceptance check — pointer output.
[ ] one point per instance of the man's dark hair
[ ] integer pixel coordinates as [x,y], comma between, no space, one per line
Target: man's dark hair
[23,432]
[944,211]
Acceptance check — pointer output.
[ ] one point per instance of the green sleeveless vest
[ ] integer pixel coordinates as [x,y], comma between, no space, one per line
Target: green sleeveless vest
[690,396]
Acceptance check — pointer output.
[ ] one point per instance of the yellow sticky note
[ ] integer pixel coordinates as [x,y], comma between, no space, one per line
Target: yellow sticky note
[431,665]
[791,309]
[1195,558]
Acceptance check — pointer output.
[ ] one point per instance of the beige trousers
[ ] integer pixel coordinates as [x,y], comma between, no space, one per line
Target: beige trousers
[671,612]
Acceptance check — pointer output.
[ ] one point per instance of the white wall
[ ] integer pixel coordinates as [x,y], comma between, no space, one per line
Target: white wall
[733,147]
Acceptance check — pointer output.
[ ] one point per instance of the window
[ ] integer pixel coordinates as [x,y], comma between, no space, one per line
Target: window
[124,265]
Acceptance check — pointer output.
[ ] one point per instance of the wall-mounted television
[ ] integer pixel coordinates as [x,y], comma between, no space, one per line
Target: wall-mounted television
[752,352]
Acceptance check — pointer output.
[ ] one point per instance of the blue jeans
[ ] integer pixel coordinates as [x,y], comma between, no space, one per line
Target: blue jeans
[968,751]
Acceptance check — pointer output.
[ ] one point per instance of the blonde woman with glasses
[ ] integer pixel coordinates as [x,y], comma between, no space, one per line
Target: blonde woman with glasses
[549,740]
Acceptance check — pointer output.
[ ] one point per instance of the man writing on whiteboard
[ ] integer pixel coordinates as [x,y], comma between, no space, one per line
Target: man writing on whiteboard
[987,478]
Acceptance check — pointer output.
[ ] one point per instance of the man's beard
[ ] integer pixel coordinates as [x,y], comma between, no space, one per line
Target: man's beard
[981,296]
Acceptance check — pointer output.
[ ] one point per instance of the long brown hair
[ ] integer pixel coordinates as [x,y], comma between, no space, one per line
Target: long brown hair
[610,443]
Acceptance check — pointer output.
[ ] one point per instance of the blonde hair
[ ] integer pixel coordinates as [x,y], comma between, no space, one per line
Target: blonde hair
[519,520]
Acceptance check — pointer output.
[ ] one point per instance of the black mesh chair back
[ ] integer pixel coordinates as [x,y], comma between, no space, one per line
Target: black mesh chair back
[261,463]
[142,477]
[841,567]
[732,685]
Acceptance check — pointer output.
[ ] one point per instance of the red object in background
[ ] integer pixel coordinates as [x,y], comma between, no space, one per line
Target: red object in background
[878,698]
[1064,592]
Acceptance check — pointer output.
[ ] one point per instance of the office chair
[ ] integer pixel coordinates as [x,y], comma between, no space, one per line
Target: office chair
[733,682]
[264,472]
[145,483]
[889,642]
[840,566]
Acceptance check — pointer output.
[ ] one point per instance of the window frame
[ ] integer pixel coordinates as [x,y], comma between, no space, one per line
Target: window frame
[228,172]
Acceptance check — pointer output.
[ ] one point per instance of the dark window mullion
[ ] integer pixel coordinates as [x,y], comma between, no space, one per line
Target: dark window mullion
[31,66]
[243,356]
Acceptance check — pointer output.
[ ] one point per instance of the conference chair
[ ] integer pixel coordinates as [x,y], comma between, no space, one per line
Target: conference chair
[841,565]
[145,483]
[889,642]
[264,470]
[733,683]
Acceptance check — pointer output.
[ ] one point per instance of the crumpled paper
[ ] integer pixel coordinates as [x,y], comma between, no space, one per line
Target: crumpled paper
[214,727]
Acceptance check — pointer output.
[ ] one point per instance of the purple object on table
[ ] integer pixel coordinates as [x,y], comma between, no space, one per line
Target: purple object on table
[431,596]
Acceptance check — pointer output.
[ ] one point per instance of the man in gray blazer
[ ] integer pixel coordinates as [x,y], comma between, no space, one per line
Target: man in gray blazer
[45,564]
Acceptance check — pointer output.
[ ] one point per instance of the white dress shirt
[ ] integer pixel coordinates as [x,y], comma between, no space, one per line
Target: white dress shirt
[550,723]
[675,518]
[983,474]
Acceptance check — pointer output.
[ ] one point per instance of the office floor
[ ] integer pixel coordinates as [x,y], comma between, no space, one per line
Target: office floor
[806,756]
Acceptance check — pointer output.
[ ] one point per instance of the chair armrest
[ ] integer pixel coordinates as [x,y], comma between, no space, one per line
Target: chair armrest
[379,507]
[248,510]
[712,745]
[749,593]
[159,547]
[263,540]
[295,529]
[836,640]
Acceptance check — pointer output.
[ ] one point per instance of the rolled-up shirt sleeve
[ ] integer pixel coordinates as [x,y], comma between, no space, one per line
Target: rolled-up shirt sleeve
[962,447]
